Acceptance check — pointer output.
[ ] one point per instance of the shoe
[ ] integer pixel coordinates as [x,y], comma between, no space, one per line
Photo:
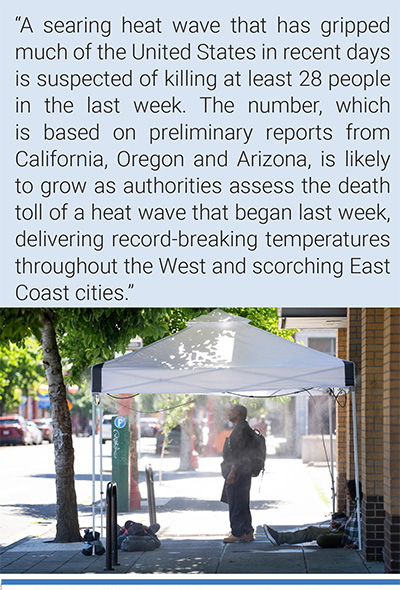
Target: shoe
[272,535]
[233,539]
[249,537]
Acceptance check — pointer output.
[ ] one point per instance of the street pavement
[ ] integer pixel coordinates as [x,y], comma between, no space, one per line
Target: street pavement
[193,522]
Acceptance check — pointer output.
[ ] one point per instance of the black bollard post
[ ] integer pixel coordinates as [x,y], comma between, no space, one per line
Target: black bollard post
[111,526]
[114,531]
[150,494]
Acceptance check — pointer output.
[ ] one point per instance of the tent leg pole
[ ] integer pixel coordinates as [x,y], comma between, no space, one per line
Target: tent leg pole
[353,403]
[101,466]
[139,431]
[93,461]
[332,459]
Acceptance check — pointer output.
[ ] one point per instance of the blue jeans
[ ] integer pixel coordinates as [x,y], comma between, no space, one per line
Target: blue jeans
[238,497]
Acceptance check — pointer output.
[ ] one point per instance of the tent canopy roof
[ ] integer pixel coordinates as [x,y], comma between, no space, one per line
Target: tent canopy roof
[221,353]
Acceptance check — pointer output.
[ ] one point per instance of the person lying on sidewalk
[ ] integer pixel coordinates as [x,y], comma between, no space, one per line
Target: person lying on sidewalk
[337,535]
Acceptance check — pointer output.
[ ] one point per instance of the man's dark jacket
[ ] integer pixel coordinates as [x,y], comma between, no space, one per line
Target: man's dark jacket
[236,449]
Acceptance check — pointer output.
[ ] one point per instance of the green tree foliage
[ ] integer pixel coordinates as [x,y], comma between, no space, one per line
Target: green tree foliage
[89,336]
[83,337]
[17,324]
[265,318]
[21,372]
[178,317]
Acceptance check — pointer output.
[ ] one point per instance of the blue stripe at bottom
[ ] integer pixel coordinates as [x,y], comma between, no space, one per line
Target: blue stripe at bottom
[215,582]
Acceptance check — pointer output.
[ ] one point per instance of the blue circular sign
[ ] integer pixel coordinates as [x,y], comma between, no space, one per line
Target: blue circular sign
[120,422]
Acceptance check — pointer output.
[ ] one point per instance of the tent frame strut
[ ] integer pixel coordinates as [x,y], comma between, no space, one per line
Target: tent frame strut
[332,463]
[93,461]
[102,503]
[355,450]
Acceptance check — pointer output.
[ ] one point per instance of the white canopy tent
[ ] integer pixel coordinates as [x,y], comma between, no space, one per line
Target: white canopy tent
[221,354]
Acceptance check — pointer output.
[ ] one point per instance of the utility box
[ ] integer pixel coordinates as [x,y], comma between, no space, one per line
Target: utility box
[120,459]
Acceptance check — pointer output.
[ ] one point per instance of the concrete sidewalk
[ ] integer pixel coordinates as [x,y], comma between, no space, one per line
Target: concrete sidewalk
[195,555]
[193,522]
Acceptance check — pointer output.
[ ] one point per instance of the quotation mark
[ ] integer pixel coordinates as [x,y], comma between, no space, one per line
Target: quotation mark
[25,23]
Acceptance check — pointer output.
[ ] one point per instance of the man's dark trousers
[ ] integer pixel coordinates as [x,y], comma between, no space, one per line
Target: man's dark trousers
[238,496]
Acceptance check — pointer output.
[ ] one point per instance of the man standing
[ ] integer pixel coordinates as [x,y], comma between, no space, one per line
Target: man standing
[236,469]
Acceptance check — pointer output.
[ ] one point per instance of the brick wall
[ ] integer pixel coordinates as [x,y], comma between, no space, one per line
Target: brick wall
[373,344]
[391,439]
[341,434]
[371,464]
[373,527]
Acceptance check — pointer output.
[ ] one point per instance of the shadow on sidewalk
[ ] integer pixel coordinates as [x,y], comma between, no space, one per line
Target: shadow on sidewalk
[194,504]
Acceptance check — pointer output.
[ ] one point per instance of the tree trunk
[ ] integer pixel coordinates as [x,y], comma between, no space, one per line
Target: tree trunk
[186,445]
[67,510]
[290,426]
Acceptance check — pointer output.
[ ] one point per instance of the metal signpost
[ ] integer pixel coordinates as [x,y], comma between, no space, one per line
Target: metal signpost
[120,459]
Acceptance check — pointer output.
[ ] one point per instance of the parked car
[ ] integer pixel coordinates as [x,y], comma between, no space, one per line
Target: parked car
[106,427]
[14,430]
[173,445]
[36,434]
[149,427]
[46,428]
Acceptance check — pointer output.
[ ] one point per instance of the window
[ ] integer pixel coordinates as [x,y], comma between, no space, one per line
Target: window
[326,345]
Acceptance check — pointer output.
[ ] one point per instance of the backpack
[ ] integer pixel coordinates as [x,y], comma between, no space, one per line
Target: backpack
[92,540]
[257,450]
[138,537]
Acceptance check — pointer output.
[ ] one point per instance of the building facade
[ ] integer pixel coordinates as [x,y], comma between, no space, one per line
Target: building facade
[369,337]
[372,341]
